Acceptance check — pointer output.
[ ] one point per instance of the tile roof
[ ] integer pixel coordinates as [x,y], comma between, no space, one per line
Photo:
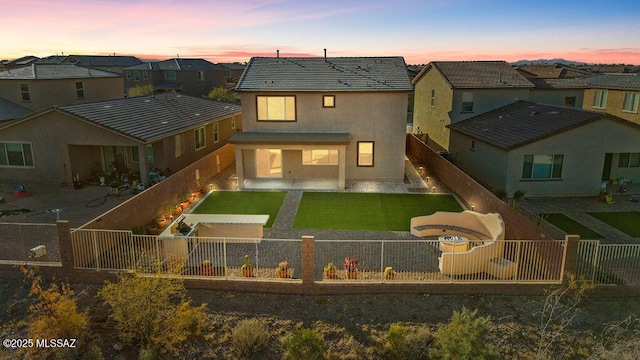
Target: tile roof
[615,81]
[177,64]
[325,74]
[48,71]
[151,118]
[233,66]
[551,71]
[10,110]
[524,122]
[559,83]
[97,60]
[478,74]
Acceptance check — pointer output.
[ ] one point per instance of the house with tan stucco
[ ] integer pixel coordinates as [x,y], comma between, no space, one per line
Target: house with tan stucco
[546,150]
[326,118]
[132,136]
[447,92]
[615,94]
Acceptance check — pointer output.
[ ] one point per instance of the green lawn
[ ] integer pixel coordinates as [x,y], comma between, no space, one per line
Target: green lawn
[571,226]
[368,211]
[627,222]
[243,202]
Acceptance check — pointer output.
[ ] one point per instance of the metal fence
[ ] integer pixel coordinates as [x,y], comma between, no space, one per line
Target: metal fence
[29,242]
[609,264]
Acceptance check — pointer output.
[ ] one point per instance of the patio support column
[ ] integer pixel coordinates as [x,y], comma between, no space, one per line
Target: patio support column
[239,166]
[308,264]
[342,160]
[142,164]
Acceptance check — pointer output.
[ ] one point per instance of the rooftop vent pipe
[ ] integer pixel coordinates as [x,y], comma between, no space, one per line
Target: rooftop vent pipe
[277,53]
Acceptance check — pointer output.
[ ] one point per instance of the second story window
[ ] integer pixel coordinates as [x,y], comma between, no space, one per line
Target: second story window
[467,102]
[145,75]
[200,75]
[276,108]
[136,75]
[170,75]
[433,97]
[600,99]
[216,133]
[79,90]
[328,101]
[128,73]
[630,103]
[233,122]
[199,138]
[24,90]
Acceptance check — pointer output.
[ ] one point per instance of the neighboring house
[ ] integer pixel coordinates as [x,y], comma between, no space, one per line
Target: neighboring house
[323,118]
[447,92]
[232,73]
[10,110]
[39,86]
[546,150]
[193,77]
[113,63]
[555,84]
[131,135]
[15,63]
[551,71]
[615,94]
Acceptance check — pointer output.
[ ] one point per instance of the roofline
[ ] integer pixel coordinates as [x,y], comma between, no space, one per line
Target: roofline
[451,86]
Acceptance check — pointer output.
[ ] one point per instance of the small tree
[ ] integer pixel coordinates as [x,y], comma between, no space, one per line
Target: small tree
[250,337]
[464,337]
[141,90]
[152,311]
[222,94]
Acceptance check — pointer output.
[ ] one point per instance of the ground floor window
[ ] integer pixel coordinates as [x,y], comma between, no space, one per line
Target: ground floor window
[365,153]
[320,157]
[542,166]
[626,160]
[16,154]
[269,163]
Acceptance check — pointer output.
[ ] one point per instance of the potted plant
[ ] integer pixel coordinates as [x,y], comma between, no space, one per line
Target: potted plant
[177,210]
[350,265]
[207,268]
[196,193]
[283,269]
[161,221]
[330,271]
[247,268]
[389,273]
[167,211]
[152,229]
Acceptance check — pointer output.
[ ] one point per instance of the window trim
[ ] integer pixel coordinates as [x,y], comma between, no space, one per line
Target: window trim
[600,102]
[433,98]
[531,170]
[216,133]
[462,104]
[634,104]
[201,131]
[373,151]
[5,151]
[200,75]
[233,122]
[167,72]
[324,101]
[295,108]
[328,163]
[24,90]
[136,75]
[80,90]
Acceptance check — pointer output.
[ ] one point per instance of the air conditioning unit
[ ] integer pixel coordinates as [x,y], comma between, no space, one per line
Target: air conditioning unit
[38,251]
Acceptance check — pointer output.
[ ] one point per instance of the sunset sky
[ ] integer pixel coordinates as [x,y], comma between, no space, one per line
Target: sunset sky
[420,30]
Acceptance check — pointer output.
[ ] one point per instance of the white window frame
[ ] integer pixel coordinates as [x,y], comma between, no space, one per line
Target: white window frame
[24,92]
[79,90]
[216,132]
[552,161]
[630,102]
[600,98]
[433,97]
[320,157]
[4,155]
[362,160]
[199,139]
[276,108]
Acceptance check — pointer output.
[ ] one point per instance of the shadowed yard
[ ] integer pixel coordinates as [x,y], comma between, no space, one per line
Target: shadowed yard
[243,202]
[627,222]
[570,226]
[368,211]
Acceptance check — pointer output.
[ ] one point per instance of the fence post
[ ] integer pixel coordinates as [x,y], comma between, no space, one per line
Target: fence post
[571,258]
[64,242]
[308,264]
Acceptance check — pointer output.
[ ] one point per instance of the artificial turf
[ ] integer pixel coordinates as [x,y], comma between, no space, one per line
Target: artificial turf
[243,202]
[626,221]
[368,211]
[570,226]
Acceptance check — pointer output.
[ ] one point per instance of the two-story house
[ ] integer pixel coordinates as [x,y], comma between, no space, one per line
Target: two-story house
[326,118]
[193,77]
[555,84]
[113,63]
[131,135]
[447,92]
[616,94]
[39,86]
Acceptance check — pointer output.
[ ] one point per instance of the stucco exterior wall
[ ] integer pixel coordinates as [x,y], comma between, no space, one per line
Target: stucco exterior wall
[615,100]
[584,150]
[371,116]
[46,93]
[556,96]
[484,162]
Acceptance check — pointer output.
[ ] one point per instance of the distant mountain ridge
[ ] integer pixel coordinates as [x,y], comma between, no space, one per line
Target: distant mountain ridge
[548,61]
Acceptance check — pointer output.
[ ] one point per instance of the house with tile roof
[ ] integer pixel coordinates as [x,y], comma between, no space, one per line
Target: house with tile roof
[127,135]
[555,84]
[192,77]
[10,110]
[324,118]
[40,86]
[447,92]
[616,94]
[113,63]
[546,150]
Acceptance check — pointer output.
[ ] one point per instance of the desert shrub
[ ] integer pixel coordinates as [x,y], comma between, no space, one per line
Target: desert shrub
[417,343]
[250,337]
[620,340]
[141,90]
[152,311]
[304,344]
[400,342]
[464,337]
